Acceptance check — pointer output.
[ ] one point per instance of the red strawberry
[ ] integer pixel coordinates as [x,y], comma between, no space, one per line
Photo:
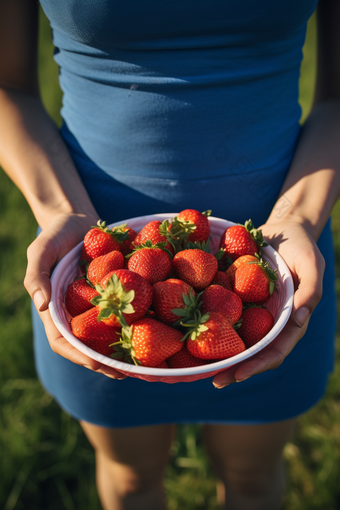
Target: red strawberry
[126,246]
[94,334]
[218,299]
[256,323]
[163,365]
[151,314]
[195,267]
[191,225]
[148,342]
[222,279]
[124,297]
[78,297]
[103,265]
[99,241]
[152,261]
[241,240]
[230,272]
[173,294]
[255,282]
[184,359]
[214,338]
[151,232]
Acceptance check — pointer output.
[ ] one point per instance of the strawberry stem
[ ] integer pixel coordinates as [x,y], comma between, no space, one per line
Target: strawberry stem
[117,232]
[113,300]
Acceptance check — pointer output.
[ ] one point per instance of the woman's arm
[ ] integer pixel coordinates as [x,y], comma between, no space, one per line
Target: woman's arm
[313,183]
[34,156]
[310,191]
[31,151]
[312,186]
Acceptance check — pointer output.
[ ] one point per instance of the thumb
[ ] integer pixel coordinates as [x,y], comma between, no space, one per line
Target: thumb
[40,259]
[309,291]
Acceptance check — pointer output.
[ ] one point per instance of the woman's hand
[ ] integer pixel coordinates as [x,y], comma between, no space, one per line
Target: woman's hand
[55,241]
[297,247]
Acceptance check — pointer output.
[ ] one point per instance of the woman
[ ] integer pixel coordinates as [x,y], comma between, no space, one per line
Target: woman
[168,107]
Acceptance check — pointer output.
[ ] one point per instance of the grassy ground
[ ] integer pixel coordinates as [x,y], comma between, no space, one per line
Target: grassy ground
[45,461]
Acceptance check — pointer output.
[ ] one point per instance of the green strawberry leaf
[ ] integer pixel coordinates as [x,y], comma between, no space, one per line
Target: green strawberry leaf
[205,317]
[114,300]
[105,313]
[255,234]
[117,355]
[238,324]
[95,300]
[181,312]
[186,299]
[196,325]
[219,255]
[116,233]
[167,230]
[204,246]
[188,312]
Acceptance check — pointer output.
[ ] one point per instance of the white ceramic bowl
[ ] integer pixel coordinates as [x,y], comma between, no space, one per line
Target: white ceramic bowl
[279,304]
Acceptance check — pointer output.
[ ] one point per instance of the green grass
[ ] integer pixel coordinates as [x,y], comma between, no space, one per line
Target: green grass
[46,462]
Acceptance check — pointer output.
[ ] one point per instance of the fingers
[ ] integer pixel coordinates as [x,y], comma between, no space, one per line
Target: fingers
[40,259]
[61,346]
[42,255]
[307,265]
[269,358]
[309,291]
[63,233]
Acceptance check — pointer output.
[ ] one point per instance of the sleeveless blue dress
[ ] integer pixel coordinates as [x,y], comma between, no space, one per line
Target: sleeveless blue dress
[185,104]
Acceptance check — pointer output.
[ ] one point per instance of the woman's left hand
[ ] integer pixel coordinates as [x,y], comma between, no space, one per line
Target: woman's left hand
[300,252]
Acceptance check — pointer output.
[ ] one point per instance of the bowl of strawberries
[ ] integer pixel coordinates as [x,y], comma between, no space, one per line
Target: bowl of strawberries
[171,297]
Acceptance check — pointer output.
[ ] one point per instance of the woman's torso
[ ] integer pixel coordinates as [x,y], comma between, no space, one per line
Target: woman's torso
[174,97]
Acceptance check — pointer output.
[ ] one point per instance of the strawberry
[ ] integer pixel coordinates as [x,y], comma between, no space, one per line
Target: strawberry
[148,342]
[256,322]
[151,314]
[221,278]
[124,297]
[240,240]
[151,232]
[255,282]
[230,272]
[172,273]
[94,334]
[195,267]
[152,261]
[191,225]
[99,241]
[126,246]
[78,297]
[184,359]
[163,365]
[213,337]
[218,299]
[101,266]
[172,295]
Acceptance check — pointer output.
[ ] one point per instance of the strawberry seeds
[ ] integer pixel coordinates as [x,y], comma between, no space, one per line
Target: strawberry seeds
[160,298]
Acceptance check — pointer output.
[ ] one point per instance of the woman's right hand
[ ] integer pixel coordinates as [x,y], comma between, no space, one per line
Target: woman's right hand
[53,243]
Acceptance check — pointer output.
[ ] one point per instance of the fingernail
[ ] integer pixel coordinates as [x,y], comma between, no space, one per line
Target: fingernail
[301,316]
[219,387]
[88,367]
[39,300]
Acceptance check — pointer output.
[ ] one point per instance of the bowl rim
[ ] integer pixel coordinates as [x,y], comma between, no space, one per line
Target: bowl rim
[170,372]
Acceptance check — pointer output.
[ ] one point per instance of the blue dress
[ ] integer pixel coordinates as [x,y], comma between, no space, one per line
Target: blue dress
[185,104]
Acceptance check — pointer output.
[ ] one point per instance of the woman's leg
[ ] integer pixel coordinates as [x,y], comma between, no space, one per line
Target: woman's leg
[130,465]
[248,459]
